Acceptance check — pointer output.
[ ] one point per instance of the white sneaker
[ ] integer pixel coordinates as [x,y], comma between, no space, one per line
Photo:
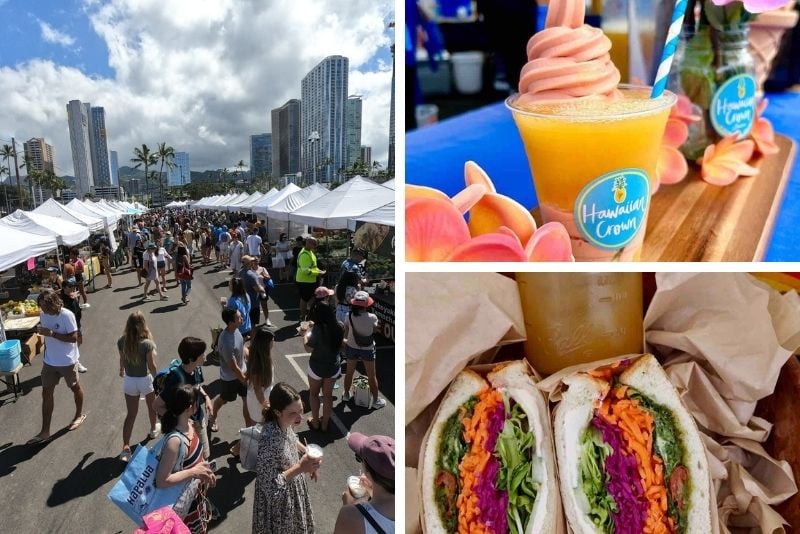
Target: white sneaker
[346,396]
[125,455]
[81,368]
[377,403]
[85,305]
[155,432]
[269,323]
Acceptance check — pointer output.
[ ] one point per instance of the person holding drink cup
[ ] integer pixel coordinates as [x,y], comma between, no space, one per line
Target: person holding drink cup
[368,500]
[281,501]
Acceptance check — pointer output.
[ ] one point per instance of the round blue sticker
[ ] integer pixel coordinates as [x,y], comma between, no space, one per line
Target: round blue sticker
[733,106]
[610,210]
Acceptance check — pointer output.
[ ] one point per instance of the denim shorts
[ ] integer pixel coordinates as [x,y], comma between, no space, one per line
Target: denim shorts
[366,355]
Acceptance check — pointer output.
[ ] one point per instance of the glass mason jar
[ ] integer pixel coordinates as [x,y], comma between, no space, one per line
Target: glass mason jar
[714,68]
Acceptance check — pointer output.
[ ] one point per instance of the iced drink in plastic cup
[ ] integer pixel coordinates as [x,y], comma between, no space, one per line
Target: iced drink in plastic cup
[314,451]
[592,144]
[593,164]
[355,487]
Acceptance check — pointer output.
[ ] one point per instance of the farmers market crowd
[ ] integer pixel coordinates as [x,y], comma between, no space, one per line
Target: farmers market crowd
[337,330]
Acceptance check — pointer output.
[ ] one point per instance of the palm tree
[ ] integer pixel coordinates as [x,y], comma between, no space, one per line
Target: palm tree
[34,177]
[239,166]
[165,154]
[144,157]
[8,152]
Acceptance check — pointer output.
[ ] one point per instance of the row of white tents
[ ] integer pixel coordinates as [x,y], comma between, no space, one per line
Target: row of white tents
[25,234]
[356,200]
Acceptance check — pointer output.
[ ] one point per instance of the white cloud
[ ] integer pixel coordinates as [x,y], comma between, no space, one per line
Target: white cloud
[203,75]
[52,35]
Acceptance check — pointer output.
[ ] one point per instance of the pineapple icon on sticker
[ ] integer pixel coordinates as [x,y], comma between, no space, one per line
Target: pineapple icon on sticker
[620,189]
[741,89]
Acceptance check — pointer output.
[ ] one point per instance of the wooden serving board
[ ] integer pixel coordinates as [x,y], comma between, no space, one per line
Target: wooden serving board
[696,221]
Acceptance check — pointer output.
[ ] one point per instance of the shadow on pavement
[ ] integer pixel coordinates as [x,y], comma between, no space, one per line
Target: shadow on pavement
[12,455]
[85,479]
[165,309]
[135,303]
[120,289]
[228,494]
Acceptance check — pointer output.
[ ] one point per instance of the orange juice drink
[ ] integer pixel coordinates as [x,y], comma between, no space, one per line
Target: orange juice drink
[593,164]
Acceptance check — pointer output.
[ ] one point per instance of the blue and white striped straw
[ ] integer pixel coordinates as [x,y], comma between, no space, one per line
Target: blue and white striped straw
[669,49]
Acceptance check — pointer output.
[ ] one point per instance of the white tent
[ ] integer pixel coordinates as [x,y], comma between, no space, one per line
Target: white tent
[91,210]
[64,232]
[383,215]
[141,207]
[280,210]
[236,205]
[247,206]
[260,209]
[221,201]
[55,209]
[19,245]
[109,219]
[354,198]
[389,184]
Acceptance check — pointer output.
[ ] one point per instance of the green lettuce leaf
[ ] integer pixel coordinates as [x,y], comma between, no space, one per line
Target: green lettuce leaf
[594,452]
[514,449]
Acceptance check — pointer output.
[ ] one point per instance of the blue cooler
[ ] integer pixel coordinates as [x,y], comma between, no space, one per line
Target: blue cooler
[10,352]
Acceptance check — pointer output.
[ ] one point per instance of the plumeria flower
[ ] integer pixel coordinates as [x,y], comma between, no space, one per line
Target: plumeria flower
[671,167]
[755,6]
[762,132]
[499,228]
[724,162]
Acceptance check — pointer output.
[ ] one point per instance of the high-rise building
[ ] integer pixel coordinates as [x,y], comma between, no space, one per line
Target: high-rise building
[324,98]
[40,154]
[352,130]
[114,168]
[390,165]
[286,139]
[98,143]
[260,155]
[366,157]
[179,174]
[78,119]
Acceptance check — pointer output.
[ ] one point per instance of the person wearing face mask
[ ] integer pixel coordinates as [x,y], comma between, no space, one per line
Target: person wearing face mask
[281,502]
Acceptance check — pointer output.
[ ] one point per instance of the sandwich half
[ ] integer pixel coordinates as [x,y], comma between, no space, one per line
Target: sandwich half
[487,462]
[630,456]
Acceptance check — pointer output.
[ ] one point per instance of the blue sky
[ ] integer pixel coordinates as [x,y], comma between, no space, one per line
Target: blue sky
[26,22]
[200,75]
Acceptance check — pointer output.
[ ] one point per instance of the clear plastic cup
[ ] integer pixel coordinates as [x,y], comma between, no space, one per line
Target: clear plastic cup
[314,451]
[356,489]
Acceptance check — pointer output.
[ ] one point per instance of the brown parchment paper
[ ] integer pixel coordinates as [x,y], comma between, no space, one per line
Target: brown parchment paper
[723,339]
[451,320]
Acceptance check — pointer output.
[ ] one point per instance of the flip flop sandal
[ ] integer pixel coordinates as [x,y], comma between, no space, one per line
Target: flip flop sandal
[76,423]
[213,426]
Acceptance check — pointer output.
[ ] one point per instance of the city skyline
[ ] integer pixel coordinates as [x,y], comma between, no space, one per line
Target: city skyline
[208,108]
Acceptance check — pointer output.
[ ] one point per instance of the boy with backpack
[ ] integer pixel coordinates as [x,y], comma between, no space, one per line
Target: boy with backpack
[188,371]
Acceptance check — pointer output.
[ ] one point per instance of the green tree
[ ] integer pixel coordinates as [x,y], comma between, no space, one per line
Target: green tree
[240,166]
[165,154]
[7,153]
[144,157]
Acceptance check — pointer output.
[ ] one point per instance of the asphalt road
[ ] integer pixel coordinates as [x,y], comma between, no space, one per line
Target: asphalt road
[62,487]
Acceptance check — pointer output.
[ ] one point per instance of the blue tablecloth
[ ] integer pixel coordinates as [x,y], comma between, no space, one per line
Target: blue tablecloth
[435,157]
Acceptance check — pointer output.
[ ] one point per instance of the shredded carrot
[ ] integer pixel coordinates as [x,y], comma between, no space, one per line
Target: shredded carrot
[474,462]
[637,429]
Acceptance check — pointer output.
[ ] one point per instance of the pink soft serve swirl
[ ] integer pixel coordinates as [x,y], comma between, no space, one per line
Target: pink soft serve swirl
[568,59]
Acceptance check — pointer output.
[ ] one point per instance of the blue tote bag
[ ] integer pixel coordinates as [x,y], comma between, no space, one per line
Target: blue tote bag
[135,492]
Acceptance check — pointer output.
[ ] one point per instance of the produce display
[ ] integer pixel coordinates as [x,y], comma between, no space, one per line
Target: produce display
[28,308]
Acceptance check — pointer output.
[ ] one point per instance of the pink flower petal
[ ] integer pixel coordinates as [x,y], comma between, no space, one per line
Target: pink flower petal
[684,110]
[671,167]
[434,227]
[466,199]
[676,133]
[473,174]
[489,247]
[551,242]
[494,211]
[761,107]
[421,191]
[723,163]
[764,137]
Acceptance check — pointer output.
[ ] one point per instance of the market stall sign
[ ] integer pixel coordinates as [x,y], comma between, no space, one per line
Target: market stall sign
[385,312]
